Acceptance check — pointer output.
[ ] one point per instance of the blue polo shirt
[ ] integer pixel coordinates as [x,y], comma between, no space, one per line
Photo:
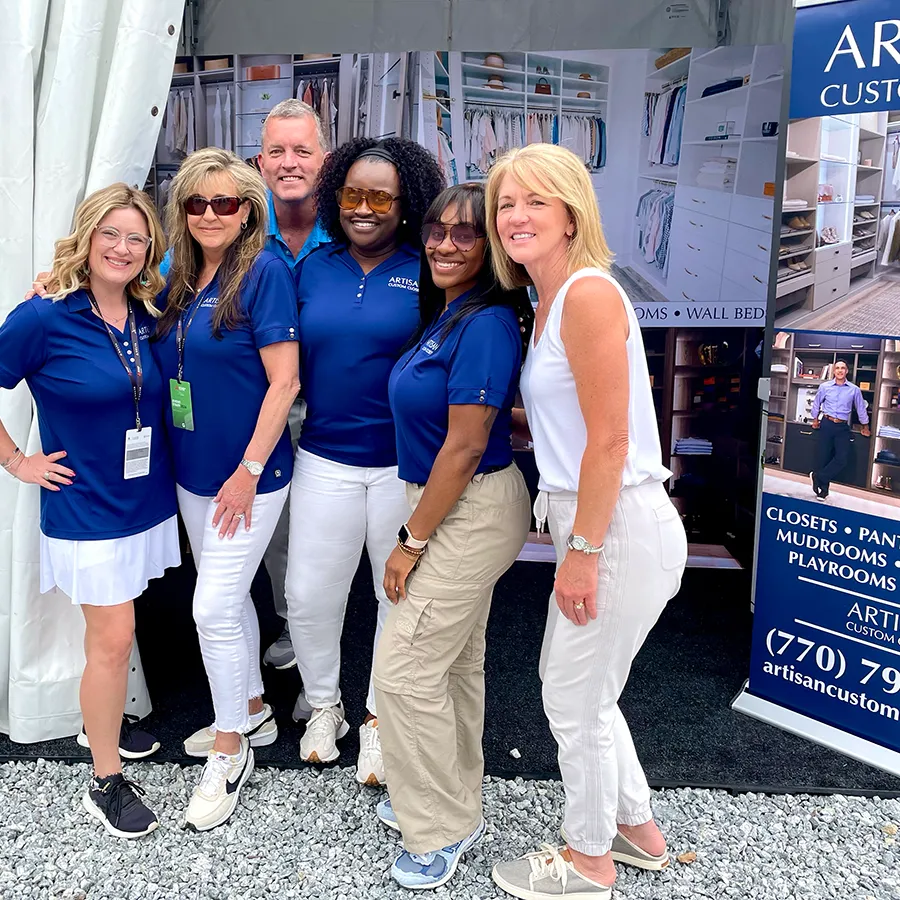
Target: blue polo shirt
[276,244]
[353,328]
[85,405]
[228,380]
[478,362]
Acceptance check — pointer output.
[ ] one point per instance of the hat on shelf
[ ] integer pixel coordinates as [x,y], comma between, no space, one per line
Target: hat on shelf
[495,61]
[496,82]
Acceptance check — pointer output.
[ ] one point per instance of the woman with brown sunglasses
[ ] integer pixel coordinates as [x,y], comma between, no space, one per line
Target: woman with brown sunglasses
[359,304]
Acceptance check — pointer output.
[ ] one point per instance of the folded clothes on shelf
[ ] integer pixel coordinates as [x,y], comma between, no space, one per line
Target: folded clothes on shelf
[691,446]
[865,198]
[729,84]
[779,369]
[794,204]
[888,457]
[889,431]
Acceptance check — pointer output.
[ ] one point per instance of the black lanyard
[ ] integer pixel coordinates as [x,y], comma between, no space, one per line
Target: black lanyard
[137,376]
[181,333]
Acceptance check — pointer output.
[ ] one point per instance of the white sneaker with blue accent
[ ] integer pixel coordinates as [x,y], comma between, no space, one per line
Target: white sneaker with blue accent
[385,813]
[424,871]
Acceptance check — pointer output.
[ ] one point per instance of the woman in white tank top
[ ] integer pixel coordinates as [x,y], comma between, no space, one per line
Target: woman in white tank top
[620,545]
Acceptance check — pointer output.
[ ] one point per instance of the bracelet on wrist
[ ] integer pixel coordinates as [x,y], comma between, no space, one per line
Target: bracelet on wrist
[408,552]
[17,454]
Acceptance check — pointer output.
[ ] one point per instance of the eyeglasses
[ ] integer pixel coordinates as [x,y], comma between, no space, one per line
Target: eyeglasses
[110,237]
[377,201]
[221,206]
[463,237]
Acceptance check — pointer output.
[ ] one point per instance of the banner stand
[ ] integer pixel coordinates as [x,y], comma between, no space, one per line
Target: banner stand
[813,730]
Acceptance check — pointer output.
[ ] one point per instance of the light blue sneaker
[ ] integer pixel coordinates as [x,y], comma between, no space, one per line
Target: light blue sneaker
[423,871]
[385,812]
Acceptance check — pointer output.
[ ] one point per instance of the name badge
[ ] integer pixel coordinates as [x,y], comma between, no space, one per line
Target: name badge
[137,452]
[182,407]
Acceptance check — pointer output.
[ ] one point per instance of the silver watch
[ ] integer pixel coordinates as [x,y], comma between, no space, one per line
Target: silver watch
[254,468]
[577,542]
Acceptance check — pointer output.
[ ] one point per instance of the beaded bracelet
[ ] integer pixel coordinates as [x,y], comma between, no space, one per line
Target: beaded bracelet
[408,552]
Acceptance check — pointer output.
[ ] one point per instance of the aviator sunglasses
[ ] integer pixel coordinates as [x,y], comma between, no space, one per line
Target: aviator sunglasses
[463,237]
[221,206]
[378,201]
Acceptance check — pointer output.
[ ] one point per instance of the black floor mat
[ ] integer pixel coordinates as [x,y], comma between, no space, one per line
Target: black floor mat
[676,702]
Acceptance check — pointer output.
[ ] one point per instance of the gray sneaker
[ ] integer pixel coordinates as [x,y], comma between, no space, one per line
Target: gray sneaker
[281,653]
[546,874]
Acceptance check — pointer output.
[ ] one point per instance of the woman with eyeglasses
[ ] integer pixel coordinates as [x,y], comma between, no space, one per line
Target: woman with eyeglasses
[108,510]
[451,395]
[359,304]
[227,347]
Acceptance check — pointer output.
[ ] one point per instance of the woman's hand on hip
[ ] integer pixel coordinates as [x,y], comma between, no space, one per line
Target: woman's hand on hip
[396,570]
[43,470]
[576,587]
[235,499]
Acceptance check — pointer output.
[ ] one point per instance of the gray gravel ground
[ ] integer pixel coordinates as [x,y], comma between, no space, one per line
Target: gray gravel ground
[314,835]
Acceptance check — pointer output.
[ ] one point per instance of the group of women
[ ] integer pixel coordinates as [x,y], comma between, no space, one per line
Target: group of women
[410,361]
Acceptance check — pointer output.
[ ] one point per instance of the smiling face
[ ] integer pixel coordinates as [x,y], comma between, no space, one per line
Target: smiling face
[215,234]
[369,232]
[533,228]
[117,262]
[291,158]
[840,372]
[455,271]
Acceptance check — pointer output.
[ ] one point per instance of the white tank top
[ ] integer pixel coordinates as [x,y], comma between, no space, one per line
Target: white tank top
[554,414]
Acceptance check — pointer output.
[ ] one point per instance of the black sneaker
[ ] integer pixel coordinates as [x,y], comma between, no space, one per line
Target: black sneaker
[115,802]
[134,742]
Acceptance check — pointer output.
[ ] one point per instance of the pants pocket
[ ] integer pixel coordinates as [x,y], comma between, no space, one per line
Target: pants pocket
[672,539]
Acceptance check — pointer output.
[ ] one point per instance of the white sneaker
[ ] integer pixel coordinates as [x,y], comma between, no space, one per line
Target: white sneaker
[216,796]
[325,726]
[370,765]
[262,732]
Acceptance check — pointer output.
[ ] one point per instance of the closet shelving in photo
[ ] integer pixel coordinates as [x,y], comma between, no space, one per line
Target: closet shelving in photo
[827,169]
[226,105]
[720,186]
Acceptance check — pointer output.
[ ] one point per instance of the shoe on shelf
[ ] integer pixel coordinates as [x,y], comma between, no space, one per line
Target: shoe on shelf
[547,873]
[385,813]
[370,765]
[217,794]
[829,235]
[280,654]
[799,223]
[262,732]
[134,742]
[423,871]
[325,726]
[116,802]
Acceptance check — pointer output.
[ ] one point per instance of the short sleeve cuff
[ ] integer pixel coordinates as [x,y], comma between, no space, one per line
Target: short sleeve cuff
[7,379]
[275,335]
[476,397]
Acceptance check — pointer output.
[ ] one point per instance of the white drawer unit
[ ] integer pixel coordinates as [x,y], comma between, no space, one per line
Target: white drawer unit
[748,272]
[697,247]
[754,212]
[697,227]
[694,282]
[750,241]
[710,203]
[826,292]
[832,261]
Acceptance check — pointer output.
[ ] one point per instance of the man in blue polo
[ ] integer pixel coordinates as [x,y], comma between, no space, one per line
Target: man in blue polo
[294,146]
[835,401]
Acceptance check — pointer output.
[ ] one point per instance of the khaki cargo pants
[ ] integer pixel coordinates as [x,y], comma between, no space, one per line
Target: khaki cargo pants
[429,665]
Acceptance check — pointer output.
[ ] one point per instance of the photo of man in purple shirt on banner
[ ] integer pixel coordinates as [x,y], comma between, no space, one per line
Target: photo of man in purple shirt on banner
[835,402]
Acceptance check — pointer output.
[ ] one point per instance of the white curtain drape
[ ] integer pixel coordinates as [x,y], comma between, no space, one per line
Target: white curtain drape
[84,88]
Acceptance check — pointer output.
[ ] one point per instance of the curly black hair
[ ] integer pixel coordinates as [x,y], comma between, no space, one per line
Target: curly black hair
[421,180]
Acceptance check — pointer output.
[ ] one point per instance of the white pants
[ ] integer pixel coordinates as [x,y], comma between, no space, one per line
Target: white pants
[335,509]
[226,620]
[584,668]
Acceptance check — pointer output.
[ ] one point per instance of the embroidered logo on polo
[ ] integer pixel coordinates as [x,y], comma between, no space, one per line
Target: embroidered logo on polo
[144,333]
[208,302]
[398,281]
[430,346]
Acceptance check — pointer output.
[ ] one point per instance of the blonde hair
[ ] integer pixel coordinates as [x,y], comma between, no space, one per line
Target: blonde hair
[550,171]
[187,254]
[296,109]
[71,271]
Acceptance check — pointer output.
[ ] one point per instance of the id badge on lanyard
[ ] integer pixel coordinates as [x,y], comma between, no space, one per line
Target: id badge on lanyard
[179,389]
[137,439]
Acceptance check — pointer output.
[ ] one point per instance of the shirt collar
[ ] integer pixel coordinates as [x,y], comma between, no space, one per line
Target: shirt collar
[78,301]
[317,236]
[401,256]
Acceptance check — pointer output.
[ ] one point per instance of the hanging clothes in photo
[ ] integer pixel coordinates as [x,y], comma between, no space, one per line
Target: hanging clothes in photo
[666,127]
[654,216]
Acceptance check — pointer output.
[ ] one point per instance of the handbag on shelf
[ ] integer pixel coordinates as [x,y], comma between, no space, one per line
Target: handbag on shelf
[543,87]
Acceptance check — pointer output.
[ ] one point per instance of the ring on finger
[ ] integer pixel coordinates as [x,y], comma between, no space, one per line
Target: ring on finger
[579,606]
[239,515]
[47,475]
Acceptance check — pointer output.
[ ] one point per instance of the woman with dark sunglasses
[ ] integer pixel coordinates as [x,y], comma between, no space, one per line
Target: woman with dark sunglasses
[451,395]
[227,348]
[358,307]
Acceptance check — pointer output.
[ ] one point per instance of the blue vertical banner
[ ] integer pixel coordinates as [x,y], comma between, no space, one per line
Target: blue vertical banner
[826,627]
[846,58]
